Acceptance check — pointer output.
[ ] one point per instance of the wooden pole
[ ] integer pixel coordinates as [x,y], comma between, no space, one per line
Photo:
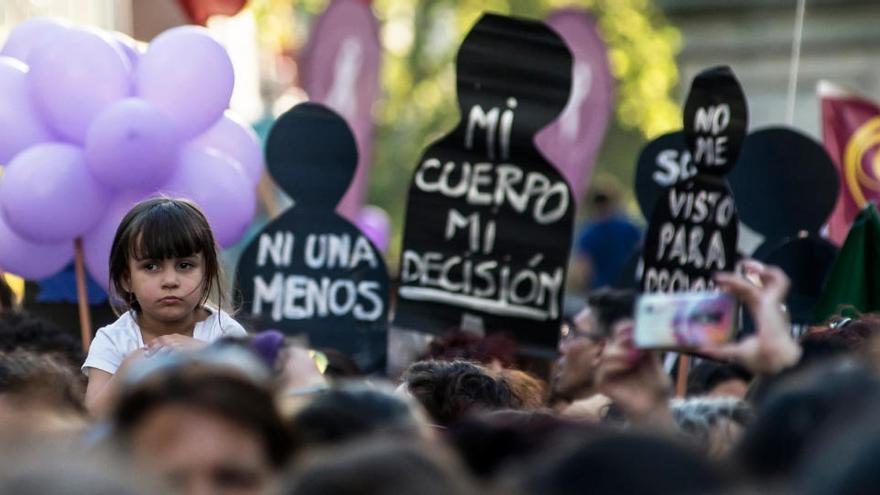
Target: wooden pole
[684,363]
[82,295]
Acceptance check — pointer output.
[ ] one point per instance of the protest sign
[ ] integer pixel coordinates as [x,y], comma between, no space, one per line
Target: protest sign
[807,261]
[662,163]
[311,271]
[693,229]
[489,221]
[785,183]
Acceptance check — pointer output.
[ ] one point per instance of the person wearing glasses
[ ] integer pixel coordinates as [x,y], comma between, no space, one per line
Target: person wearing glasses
[581,343]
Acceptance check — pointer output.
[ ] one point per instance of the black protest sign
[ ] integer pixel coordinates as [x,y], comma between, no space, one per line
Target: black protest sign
[807,261]
[693,226]
[692,234]
[311,271]
[715,120]
[663,162]
[489,220]
[785,182]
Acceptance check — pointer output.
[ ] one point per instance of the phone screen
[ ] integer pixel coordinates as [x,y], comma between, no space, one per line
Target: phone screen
[687,320]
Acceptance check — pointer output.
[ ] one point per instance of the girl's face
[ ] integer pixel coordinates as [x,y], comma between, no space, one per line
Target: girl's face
[167,290]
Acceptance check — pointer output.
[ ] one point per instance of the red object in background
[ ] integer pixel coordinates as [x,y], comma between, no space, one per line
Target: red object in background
[199,11]
[851,134]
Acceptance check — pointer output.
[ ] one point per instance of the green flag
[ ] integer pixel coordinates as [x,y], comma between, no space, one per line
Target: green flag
[855,277]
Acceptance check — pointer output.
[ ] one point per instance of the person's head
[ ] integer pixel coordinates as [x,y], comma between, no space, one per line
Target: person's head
[617,463]
[581,343]
[487,443]
[22,331]
[450,390]
[203,428]
[842,335]
[529,391]
[715,379]
[604,196]
[382,467]
[39,393]
[846,461]
[715,423]
[163,261]
[353,410]
[799,411]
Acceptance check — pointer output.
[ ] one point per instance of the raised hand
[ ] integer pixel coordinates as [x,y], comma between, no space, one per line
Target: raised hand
[772,348]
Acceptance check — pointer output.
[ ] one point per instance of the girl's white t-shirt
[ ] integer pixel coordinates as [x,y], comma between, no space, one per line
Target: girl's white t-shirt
[115,341]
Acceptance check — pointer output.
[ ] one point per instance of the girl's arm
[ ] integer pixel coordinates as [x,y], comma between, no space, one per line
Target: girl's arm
[102,386]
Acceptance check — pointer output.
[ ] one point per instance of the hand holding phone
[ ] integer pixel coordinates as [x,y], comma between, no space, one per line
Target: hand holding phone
[771,348]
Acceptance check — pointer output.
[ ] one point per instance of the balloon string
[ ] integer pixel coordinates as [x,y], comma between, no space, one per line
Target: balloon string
[795,60]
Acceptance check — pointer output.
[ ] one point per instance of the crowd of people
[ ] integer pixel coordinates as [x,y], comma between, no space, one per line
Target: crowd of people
[177,397]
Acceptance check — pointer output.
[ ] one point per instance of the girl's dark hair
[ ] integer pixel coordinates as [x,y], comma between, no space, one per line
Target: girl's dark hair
[162,228]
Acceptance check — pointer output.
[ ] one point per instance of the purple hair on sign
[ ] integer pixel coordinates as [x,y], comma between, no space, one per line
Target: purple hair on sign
[572,141]
[341,70]
[267,344]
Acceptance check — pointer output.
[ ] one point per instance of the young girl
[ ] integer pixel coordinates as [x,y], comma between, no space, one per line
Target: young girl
[164,268]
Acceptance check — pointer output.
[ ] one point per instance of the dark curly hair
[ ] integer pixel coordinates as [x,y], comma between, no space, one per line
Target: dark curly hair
[21,331]
[449,391]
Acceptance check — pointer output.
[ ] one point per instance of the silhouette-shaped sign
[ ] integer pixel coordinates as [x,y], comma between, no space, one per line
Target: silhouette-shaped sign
[662,163]
[311,271]
[693,228]
[489,221]
[807,261]
[785,182]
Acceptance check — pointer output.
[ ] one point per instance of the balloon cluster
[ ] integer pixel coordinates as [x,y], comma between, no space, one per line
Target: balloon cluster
[89,125]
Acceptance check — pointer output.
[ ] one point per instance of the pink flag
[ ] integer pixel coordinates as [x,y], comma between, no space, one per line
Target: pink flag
[573,140]
[851,134]
[341,70]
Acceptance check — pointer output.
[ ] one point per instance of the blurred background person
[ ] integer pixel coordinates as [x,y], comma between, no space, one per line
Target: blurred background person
[605,241]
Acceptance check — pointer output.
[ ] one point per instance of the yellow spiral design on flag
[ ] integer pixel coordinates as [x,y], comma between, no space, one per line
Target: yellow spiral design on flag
[860,143]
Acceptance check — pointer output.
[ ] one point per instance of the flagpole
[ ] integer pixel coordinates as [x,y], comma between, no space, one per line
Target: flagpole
[795,60]
[82,296]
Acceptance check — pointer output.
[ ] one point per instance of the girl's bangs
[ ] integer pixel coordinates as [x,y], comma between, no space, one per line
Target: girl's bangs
[166,233]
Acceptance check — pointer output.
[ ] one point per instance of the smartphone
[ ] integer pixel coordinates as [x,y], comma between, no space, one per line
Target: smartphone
[685,320]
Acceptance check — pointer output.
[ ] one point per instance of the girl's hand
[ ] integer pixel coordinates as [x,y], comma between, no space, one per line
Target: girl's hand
[772,348]
[173,343]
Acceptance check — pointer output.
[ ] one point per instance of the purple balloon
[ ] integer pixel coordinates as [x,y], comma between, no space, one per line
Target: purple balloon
[219,186]
[20,123]
[131,145]
[30,260]
[128,46]
[48,195]
[189,76]
[236,139]
[30,34]
[98,241]
[376,225]
[75,77]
